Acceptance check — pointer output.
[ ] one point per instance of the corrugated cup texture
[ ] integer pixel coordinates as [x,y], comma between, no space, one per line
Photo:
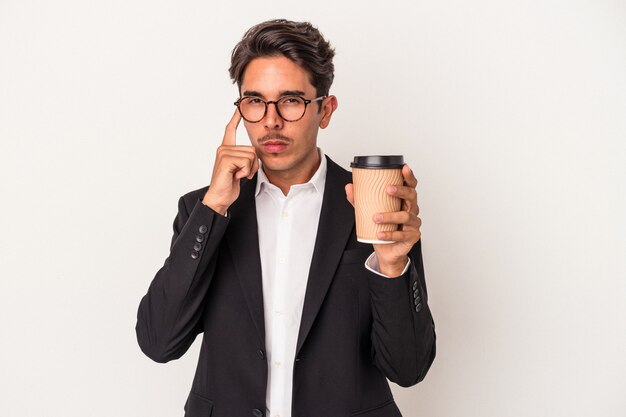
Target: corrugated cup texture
[370,197]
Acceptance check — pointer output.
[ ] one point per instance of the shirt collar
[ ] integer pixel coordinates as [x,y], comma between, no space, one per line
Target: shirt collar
[318,180]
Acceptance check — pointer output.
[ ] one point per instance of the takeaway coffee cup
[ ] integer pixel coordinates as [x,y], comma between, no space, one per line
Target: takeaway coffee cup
[371,175]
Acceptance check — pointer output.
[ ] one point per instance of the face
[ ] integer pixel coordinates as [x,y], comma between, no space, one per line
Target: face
[288,150]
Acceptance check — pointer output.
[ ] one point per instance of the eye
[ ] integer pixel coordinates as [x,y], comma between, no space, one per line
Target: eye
[253,100]
[291,100]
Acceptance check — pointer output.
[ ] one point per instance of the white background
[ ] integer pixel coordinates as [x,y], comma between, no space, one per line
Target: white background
[511,113]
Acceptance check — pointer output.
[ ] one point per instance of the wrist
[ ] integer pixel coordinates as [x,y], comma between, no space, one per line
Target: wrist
[393,268]
[214,205]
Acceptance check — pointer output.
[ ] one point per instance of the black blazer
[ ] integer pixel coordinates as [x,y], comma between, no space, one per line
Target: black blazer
[357,328]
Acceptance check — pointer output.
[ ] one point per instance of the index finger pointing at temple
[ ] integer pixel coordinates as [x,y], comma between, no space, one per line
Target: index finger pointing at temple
[230,134]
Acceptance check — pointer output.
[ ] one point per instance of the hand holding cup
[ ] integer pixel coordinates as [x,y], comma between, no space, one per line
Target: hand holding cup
[392,231]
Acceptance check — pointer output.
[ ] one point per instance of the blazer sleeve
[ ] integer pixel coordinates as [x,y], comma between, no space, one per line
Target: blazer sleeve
[403,330]
[169,315]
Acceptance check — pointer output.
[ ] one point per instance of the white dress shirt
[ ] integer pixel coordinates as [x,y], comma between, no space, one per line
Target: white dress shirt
[287,228]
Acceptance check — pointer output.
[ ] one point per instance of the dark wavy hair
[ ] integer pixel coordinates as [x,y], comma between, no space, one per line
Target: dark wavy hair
[301,42]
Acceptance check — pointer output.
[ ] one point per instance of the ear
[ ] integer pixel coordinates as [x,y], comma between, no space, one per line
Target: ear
[329,106]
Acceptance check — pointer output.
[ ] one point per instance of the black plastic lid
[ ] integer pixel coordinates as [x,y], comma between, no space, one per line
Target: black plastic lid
[378,162]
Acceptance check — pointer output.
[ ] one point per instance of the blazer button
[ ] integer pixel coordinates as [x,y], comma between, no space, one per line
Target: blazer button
[194,255]
[414,285]
[414,293]
[197,247]
[202,229]
[199,238]
[416,301]
[257,413]
[418,307]
[261,354]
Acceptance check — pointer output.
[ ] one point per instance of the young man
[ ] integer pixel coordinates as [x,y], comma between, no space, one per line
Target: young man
[299,319]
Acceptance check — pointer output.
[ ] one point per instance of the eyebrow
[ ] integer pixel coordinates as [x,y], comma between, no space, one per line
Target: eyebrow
[281,94]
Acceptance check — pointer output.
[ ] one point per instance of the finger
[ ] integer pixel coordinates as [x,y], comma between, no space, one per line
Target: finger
[407,236]
[402,191]
[408,196]
[410,207]
[230,134]
[255,167]
[236,152]
[397,217]
[350,193]
[245,169]
[409,177]
[240,164]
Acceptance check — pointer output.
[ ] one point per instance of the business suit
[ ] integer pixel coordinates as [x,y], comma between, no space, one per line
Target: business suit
[357,327]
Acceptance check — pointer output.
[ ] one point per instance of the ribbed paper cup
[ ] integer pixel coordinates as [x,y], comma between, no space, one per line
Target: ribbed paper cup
[371,175]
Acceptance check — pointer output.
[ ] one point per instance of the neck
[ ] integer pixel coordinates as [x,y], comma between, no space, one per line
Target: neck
[285,179]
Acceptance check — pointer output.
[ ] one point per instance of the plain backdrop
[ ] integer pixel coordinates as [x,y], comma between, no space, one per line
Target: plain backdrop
[511,113]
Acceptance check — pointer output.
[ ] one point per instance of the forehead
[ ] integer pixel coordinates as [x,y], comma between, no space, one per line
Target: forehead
[273,75]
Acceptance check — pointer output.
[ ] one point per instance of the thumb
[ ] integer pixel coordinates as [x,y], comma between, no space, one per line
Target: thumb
[350,193]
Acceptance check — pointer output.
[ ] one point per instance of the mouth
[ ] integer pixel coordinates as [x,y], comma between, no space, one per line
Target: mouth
[274,144]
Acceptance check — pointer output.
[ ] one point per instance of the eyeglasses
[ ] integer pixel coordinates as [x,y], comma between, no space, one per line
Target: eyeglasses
[289,108]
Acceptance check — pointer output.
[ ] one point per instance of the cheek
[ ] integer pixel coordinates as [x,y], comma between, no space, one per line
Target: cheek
[249,130]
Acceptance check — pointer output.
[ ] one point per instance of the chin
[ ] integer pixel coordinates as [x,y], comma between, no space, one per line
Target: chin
[273,165]
[275,158]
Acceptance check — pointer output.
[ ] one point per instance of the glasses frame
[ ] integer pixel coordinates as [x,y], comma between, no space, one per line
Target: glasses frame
[275,103]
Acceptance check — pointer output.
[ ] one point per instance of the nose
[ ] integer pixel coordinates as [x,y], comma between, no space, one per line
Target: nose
[272,120]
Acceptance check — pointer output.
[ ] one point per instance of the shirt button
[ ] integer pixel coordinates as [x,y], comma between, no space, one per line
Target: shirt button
[285,214]
[277,364]
[281,260]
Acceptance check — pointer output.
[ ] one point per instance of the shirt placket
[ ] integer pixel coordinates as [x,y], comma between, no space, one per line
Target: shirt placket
[280,325]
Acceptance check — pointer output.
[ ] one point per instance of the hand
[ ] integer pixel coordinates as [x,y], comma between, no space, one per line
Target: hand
[232,163]
[392,257]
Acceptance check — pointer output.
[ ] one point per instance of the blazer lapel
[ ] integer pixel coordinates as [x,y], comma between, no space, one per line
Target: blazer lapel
[335,224]
[243,241]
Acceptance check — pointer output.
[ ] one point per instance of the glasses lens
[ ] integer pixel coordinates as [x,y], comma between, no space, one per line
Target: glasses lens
[291,108]
[252,108]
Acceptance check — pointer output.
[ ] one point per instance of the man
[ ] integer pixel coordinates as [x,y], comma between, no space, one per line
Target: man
[299,318]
